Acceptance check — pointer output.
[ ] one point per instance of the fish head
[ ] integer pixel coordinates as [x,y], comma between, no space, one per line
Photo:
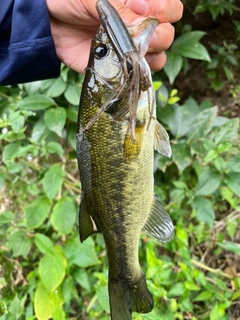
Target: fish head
[104,71]
[106,83]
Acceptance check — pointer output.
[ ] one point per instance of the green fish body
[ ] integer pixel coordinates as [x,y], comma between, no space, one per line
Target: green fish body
[116,173]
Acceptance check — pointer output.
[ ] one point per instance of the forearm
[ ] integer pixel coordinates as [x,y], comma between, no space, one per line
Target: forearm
[27,51]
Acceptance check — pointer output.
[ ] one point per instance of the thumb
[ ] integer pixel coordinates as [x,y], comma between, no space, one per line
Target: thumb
[129,10]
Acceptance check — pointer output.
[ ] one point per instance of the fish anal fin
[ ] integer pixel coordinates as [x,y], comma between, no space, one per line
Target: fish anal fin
[126,298]
[161,140]
[132,147]
[87,226]
[159,225]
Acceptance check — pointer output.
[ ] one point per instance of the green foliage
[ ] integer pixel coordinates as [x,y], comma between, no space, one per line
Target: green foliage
[222,64]
[185,46]
[46,273]
[216,7]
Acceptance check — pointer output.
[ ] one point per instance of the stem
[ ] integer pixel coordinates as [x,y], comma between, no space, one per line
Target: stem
[215,271]
[91,303]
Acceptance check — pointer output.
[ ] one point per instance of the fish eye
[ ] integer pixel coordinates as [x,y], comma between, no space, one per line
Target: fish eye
[101,51]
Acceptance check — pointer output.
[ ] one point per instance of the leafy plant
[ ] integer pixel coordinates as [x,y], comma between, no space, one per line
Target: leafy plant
[223,62]
[45,271]
[216,7]
[185,46]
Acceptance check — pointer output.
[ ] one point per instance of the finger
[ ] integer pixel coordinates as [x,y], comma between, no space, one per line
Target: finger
[164,11]
[162,38]
[156,61]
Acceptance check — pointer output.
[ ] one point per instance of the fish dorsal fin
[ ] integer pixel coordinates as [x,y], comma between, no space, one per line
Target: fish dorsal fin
[159,225]
[161,140]
[87,226]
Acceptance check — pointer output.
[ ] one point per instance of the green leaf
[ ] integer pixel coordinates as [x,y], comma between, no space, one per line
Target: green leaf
[68,286]
[45,302]
[232,228]
[227,131]
[209,145]
[204,210]
[177,118]
[215,313]
[72,113]
[209,181]
[191,286]
[83,255]
[72,136]
[15,307]
[6,217]
[228,195]
[220,164]
[204,296]
[181,156]
[35,102]
[55,119]
[202,124]
[19,243]
[36,212]
[54,87]
[187,45]
[180,184]
[52,270]
[54,147]
[173,65]
[176,290]
[232,180]
[53,180]
[64,215]
[72,94]
[17,120]
[81,277]
[43,243]
[195,51]
[234,163]
[102,295]
[212,154]
[230,246]
[182,236]
[157,85]
[185,39]
[11,151]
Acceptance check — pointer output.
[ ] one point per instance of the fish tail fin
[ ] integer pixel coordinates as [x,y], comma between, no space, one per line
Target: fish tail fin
[126,298]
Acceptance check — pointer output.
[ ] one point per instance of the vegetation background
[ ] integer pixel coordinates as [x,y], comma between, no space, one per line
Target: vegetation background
[45,273]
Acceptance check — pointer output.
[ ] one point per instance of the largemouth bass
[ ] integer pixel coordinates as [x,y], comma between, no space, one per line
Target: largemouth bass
[115,151]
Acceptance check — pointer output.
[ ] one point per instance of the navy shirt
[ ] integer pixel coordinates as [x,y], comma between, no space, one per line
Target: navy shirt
[27,51]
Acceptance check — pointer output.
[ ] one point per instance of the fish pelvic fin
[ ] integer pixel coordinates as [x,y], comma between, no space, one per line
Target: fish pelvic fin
[126,298]
[159,225]
[161,140]
[87,226]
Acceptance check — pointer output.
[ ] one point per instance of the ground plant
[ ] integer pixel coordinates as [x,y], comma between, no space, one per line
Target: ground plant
[46,273]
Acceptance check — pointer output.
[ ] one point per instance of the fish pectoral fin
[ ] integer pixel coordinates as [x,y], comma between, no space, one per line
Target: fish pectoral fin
[87,226]
[132,147]
[159,225]
[161,140]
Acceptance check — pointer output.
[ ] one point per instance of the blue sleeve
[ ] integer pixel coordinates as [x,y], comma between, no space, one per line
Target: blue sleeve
[27,51]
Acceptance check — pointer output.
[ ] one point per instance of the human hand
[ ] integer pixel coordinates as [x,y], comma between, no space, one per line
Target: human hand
[75,22]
